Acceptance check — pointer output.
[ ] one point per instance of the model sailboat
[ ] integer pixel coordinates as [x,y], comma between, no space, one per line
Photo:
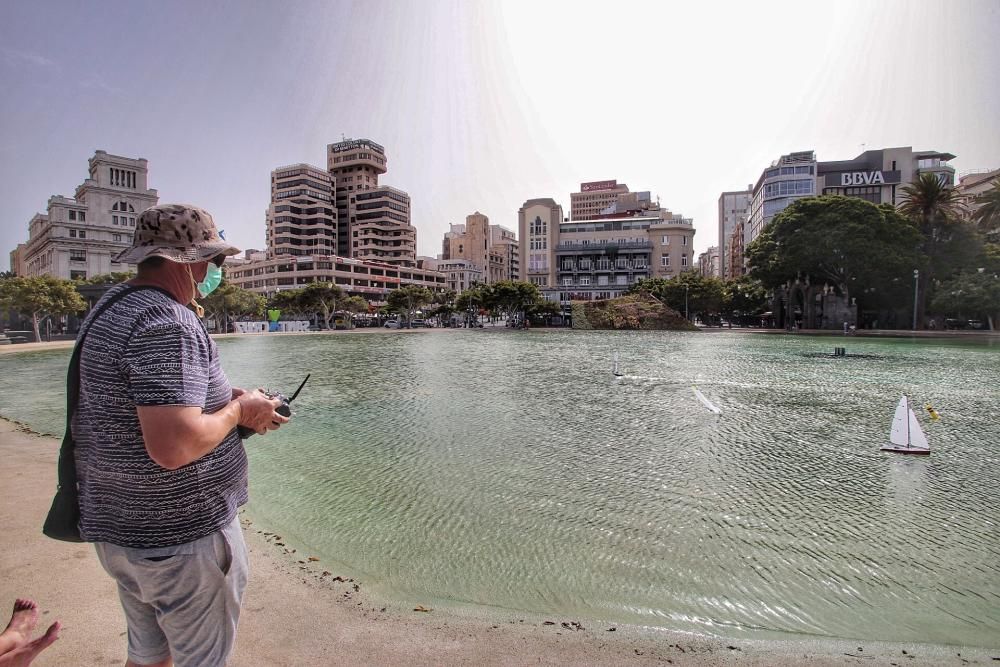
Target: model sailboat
[906,435]
[614,368]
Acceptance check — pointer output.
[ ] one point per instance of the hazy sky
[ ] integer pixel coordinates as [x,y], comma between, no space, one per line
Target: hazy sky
[482,105]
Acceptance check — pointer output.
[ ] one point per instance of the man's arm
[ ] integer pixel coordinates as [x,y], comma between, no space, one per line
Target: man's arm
[176,435]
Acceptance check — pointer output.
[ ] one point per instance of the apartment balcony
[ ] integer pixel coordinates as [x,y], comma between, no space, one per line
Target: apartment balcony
[593,268]
[605,247]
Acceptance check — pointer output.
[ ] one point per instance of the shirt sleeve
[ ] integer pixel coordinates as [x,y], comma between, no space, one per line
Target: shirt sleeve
[167,363]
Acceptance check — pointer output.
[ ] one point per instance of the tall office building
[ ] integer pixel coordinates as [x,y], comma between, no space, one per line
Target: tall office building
[373,220]
[301,219]
[733,209]
[78,237]
[593,198]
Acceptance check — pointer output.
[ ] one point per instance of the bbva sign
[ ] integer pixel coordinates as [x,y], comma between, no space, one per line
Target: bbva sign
[852,178]
[862,178]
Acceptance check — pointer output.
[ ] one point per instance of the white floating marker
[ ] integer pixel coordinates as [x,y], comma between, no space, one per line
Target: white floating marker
[704,401]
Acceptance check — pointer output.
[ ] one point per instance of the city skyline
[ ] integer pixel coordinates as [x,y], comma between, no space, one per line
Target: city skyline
[483,106]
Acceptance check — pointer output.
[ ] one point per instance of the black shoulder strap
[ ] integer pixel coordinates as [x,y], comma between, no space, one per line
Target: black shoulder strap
[67,465]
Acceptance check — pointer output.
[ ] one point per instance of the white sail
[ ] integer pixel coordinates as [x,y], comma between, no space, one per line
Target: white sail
[899,433]
[917,437]
[704,401]
[614,367]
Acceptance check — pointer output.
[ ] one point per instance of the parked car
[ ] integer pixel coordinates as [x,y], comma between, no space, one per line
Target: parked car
[952,323]
[976,324]
[392,324]
[417,323]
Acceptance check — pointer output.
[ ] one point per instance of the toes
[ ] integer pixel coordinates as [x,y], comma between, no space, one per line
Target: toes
[46,640]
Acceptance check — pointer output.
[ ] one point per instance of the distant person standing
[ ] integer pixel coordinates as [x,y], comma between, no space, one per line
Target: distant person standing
[846,325]
[161,467]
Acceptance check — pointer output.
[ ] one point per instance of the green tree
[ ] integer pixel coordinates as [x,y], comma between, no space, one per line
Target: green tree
[973,294]
[355,305]
[471,301]
[409,299]
[846,242]
[743,297]
[323,299]
[510,298]
[987,215]
[690,293]
[289,302]
[40,297]
[937,211]
[228,299]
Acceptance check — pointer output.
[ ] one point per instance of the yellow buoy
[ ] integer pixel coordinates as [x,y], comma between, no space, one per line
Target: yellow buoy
[932,412]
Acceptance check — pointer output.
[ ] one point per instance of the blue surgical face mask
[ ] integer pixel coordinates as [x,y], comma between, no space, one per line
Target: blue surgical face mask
[213,276]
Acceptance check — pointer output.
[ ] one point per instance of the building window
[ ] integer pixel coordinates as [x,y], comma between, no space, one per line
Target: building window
[117,238]
[665,260]
[131,221]
[77,256]
[83,217]
[83,234]
[72,233]
[77,275]
[584,280]
[684,260]
[665,240]
[684,240]
[72,215]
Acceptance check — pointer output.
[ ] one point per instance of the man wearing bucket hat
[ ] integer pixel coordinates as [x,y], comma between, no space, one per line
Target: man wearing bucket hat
[160,464]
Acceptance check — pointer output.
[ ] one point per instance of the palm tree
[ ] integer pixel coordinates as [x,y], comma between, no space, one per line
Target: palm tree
[987,215]
[935,208]
[931,204]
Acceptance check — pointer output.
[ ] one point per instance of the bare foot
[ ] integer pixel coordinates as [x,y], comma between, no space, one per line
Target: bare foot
[22,624]
[23,655]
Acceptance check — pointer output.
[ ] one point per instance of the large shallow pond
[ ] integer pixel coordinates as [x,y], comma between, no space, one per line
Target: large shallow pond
[511,469]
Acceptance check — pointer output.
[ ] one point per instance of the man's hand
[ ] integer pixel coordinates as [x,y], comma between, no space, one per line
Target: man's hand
[257,411]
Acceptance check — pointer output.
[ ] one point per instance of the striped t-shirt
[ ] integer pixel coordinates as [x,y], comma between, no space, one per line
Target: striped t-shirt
[148,349]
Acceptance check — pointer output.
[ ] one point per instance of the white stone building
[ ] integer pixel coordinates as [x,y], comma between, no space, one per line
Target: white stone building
[78,237]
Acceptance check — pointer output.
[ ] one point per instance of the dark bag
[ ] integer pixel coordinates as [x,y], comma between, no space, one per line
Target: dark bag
[63,520]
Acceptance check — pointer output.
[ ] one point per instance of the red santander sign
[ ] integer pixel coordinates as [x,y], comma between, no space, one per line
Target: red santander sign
[598,185]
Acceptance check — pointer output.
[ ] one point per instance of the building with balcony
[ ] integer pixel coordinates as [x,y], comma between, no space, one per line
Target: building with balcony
[371,280]
[708,262]
[878,175]
[971,184]
[734,260]
[373,220]
[791,177]
[594,198]
[875,175]
[78,237]
[538,230]
[491,248]
[734,209]
[301,219]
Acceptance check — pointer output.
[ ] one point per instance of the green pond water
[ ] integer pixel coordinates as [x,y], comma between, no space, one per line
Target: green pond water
[511,469]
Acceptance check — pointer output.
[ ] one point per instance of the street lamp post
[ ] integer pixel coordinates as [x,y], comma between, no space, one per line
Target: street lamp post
[916,277]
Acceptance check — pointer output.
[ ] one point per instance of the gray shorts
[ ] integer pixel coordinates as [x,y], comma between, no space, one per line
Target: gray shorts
[181,601]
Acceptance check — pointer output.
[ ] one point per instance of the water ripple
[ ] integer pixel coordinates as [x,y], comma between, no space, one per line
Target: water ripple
[512,469]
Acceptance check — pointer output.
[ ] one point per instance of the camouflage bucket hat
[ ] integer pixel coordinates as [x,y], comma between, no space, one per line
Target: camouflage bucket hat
[178,232]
